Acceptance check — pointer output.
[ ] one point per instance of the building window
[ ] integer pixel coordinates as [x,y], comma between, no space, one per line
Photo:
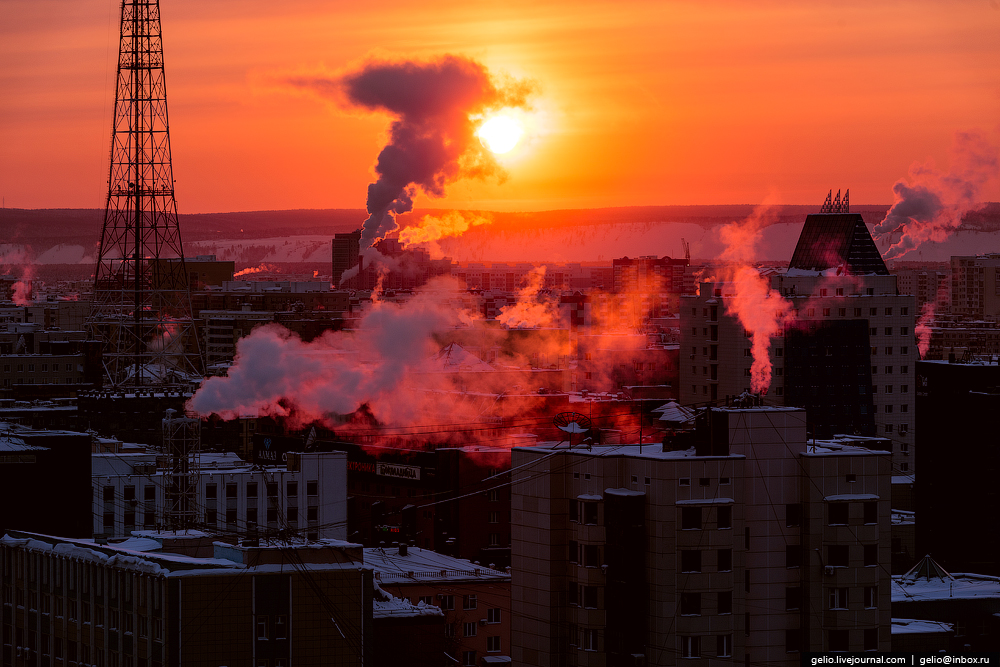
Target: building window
[793,640]
[231,491]
[838,598]
[591,555]
[871,511]
[793,555]
[281,627]
[690,561]
[262,628]
[793,514]
[590,597]
[904,369]
[838,513]
[493,615]
[888,428]
[888,408]
[447,602]
[871,597]
[493,517]
[590,513]
[725,602]
[793,597]
[469,629]
[251,489]
[725,560]
[292,489]
[312,488]
[690,604]
[724,646]
[690,518]
[468,659]
[469,602]
[449,629]
[684,481]
[493,644]
[838,555]
[690,647]
[724,517]
[837,640]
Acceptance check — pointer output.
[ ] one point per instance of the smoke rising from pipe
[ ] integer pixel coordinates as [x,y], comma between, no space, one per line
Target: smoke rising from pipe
[923,328]
[432,140]
[930,206]
[760,309]
[262,268]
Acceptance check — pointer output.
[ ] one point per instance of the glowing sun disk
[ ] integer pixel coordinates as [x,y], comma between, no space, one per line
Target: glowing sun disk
[500,133]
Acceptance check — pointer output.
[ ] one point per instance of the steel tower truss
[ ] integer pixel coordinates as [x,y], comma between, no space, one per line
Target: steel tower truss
[141,302]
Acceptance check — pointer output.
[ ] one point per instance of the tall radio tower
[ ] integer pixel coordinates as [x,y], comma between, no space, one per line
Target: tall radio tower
[141,303]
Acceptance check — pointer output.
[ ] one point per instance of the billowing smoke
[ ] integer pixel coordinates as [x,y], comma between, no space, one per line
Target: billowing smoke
[22,288]
[262,268]
[432,228]
[923,328]
[432,139]
[276,373]
[18,259]
[931,205]
[530,311]
[760,309]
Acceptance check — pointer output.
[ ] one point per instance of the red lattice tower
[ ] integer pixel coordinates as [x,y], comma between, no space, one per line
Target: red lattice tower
[141,302]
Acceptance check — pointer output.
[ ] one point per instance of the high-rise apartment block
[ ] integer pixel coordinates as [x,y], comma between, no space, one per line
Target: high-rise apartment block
[753,544]
[975,288]
[846,351]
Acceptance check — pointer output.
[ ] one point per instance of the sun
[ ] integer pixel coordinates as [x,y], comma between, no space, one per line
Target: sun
[500,133]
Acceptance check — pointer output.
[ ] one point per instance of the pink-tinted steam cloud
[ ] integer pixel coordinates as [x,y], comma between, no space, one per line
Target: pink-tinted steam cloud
[930,206]
[432,140]
[22,288]
[923,328]
[529,310]
[760,309]
[276,373]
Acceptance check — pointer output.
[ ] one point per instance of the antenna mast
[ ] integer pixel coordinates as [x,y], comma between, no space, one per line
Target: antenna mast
[141,308]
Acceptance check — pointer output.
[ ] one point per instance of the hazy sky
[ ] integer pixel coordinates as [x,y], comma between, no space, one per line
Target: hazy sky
[638,103]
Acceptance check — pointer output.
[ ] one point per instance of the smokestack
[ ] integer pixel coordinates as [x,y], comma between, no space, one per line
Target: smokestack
[402,549]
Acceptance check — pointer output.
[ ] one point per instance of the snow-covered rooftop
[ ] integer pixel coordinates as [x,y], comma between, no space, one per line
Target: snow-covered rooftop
[424,565]
[906,626]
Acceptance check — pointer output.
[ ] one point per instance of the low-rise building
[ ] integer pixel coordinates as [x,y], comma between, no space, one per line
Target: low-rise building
[475,600]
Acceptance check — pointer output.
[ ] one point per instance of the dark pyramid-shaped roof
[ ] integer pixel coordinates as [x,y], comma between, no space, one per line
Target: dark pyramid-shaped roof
[926,568]
[830,240]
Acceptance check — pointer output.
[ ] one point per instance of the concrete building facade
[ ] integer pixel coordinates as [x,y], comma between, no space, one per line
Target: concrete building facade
[752,545]
[307,497]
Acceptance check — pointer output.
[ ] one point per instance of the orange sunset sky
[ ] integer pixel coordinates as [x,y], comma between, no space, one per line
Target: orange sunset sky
[638,103]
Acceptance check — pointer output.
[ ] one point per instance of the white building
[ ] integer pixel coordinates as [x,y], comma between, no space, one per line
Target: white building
[306,497]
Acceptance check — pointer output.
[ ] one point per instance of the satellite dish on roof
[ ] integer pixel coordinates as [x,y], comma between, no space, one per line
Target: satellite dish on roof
[572,422]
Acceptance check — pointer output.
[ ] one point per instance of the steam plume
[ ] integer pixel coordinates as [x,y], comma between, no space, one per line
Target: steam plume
[529,311]
[930,207]
[262,268]
[432,140]
[760,309]
[431,228]
[276,373]
[923,328]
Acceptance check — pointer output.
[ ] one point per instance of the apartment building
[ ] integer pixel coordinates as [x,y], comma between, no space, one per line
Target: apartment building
[975,288]
[305,497]
[846,351]
[743,542]
[475,600]
[154,601]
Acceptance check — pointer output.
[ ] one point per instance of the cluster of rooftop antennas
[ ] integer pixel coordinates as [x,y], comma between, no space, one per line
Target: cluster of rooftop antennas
[837,205]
